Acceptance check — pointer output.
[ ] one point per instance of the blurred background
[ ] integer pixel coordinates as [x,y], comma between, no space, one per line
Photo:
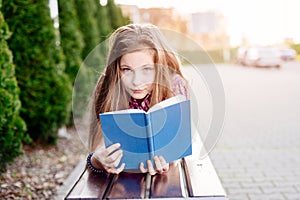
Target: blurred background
[254,45]
[222,25]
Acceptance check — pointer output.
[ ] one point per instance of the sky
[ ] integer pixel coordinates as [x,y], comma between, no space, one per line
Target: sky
[260,21]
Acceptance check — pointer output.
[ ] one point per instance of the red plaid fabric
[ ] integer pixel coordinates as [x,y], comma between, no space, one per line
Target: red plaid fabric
[143,104]
[179,86]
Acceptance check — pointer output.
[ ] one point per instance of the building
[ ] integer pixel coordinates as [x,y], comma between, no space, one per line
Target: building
[165,18]
[207,29]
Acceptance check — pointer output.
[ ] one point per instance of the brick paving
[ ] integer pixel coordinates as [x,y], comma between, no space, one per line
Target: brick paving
[258,154]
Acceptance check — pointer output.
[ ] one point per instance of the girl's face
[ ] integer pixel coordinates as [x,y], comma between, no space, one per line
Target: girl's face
[138,73]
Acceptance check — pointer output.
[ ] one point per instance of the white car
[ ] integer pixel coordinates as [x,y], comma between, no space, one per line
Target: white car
[287,54]
[263,57]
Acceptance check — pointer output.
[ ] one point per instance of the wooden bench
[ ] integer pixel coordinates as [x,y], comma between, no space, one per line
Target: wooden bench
[190,178]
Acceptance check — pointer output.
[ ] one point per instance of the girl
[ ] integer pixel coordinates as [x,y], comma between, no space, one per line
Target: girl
[141,71]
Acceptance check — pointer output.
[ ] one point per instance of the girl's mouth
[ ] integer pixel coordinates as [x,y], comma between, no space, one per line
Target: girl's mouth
[137,91]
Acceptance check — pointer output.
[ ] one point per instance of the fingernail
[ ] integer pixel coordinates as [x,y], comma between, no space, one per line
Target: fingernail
[152,173]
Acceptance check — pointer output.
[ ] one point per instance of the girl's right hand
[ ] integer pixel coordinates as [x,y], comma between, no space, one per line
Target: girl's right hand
[108,158]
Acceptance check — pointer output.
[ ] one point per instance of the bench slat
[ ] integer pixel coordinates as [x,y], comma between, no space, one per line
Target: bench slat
[202,180]
[167,185]
[89,186]
[128,185]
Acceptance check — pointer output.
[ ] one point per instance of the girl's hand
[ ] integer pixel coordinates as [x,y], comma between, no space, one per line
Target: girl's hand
[161,166]
[108,158]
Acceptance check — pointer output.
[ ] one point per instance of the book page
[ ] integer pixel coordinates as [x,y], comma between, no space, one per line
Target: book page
[124,111]
[167,102]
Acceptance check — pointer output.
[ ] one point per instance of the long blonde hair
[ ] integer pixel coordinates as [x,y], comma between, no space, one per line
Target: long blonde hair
[109,94]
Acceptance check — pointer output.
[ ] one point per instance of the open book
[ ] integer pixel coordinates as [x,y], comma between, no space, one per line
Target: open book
[165,130]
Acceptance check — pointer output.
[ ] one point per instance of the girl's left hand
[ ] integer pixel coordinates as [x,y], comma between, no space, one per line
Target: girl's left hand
[161,166]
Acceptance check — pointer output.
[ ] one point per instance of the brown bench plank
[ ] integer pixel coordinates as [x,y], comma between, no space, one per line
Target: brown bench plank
[90,186]
[202,180]
[128,186]
[167,185]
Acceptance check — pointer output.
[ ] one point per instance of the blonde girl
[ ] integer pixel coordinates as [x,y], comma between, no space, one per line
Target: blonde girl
[141,71]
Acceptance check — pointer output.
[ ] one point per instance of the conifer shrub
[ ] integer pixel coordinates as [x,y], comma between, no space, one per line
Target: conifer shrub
[45,89]
[12,126]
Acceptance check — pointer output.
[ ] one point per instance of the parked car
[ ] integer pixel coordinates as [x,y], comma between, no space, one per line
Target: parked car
[263,57]
[240,56]
[287,54]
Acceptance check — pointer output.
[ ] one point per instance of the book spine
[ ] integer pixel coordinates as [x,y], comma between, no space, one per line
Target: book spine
[150,137]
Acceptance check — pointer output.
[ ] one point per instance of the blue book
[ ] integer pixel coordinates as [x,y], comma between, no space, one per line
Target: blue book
[165,130]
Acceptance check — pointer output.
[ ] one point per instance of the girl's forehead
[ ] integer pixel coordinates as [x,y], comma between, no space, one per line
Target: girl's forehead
[137,58]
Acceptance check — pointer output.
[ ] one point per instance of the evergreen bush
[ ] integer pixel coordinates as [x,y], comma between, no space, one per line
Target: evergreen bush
[88,26]
[103,21]
[71,39]
[12,126]
[45,88]
[115,13]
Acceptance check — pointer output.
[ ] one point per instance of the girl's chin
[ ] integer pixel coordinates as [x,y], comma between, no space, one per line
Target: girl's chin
[138,96]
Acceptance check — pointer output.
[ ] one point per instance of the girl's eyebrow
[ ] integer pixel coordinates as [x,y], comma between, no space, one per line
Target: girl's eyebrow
[124,65]
[144,65]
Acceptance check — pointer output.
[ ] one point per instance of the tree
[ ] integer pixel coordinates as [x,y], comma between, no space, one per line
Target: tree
[12,126]
[87,25]
[103,21]
[115,13]
[45,88]
[71,39]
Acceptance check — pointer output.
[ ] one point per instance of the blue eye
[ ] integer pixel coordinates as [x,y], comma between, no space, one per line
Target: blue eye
[125,69]
[148,68]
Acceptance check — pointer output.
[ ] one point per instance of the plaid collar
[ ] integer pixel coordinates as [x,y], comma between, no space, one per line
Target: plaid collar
[143,104]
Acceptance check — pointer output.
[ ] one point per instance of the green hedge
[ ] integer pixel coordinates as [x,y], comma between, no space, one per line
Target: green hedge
[71,39]
[45,88]
[12,126]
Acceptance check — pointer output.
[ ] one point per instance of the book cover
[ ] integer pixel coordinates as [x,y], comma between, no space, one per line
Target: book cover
[165,130]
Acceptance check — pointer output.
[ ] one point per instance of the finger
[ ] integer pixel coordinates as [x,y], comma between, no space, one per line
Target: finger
[116,171]
[158,164]
[142,168]
[118,160]
[114,156]
[165,165]
[121,168]
[111,170]
[163,161]
[151,169]
[112,148]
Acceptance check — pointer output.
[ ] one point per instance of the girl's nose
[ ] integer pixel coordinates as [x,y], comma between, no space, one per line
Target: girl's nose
[137,78]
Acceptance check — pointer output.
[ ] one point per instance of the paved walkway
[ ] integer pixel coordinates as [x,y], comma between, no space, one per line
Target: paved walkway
[258,155]
[258,173]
